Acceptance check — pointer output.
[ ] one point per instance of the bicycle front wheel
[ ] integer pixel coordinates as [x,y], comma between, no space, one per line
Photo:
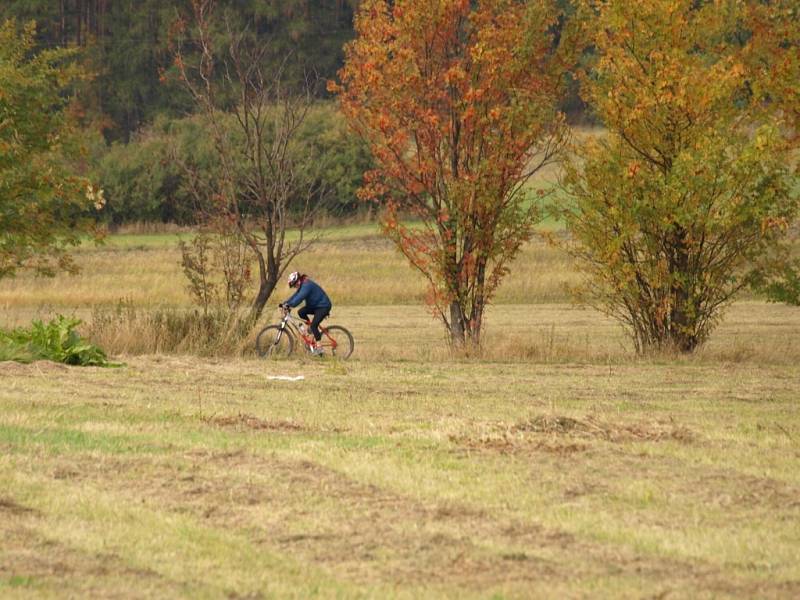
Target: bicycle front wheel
[337,341]
[274,342]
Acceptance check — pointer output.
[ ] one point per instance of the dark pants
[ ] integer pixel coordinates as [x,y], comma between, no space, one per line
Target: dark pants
[319,314]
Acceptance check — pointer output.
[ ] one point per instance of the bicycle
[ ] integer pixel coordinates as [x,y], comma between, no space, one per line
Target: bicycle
[278,341]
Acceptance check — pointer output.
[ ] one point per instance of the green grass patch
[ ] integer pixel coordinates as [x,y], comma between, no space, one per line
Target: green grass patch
[18,581]
[60,440]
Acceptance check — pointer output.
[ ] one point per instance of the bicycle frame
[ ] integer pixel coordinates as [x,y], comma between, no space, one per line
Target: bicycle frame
[291,324]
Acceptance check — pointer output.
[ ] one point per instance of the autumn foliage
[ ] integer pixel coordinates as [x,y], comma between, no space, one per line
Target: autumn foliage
[773,57]
[772,54]
[691,188]
[457,100]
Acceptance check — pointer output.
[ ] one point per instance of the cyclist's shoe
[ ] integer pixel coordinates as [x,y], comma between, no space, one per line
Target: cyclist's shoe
[317,351]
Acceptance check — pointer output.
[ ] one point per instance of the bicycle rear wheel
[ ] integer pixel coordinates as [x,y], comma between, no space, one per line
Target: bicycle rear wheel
[337,341]
[274,342]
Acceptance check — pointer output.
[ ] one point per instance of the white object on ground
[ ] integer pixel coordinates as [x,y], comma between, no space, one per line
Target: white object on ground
[287,377]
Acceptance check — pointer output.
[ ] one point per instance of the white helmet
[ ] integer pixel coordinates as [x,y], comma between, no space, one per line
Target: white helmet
[294,276]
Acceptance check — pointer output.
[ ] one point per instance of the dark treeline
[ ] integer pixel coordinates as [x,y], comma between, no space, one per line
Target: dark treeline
[126,44]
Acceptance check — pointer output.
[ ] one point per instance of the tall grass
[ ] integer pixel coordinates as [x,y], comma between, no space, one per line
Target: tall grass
[128,329]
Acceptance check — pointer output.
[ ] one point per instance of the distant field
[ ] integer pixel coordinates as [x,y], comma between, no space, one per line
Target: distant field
[380,298]
[355,264]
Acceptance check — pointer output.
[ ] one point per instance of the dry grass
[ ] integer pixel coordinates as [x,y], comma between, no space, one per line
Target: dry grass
[181,477]
[753,332]
[147,228]
[356,265]
[126,329]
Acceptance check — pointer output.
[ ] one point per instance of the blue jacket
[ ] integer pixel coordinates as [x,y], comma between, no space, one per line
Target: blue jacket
[312,293]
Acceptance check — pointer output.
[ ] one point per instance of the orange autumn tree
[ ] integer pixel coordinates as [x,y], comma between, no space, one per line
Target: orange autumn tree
[457,100]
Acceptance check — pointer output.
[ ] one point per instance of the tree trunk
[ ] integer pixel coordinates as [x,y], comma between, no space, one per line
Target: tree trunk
[478,304]
[268,279]
[79,22]
[63,24]
[681,320]
[456,324]
[264,292]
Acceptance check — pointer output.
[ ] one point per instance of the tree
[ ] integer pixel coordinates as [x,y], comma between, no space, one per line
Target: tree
[691,187]
[772,54]
[457,101]
[44,204]
[262,166]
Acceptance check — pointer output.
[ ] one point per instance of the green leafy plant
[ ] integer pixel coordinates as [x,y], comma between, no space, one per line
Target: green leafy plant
[57,341]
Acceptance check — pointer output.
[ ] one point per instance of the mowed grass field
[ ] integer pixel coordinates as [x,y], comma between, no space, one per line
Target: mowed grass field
[559,465]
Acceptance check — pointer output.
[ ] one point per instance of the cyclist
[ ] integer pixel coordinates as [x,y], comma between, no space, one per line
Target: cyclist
[317,303]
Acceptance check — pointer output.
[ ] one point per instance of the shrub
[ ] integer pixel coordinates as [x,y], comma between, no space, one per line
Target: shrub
[57,341]
[781,285]
[346,158]
[216,264]
[145,180]
[142,181]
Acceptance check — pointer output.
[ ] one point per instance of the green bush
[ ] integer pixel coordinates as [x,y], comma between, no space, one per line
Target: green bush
[346,157]
[780,285]
[144,180]
[57,341]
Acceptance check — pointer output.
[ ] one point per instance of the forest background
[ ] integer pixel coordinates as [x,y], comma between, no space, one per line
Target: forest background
[135,111]
[134,107]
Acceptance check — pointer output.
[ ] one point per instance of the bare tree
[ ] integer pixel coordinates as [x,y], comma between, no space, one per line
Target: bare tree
[264,182]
